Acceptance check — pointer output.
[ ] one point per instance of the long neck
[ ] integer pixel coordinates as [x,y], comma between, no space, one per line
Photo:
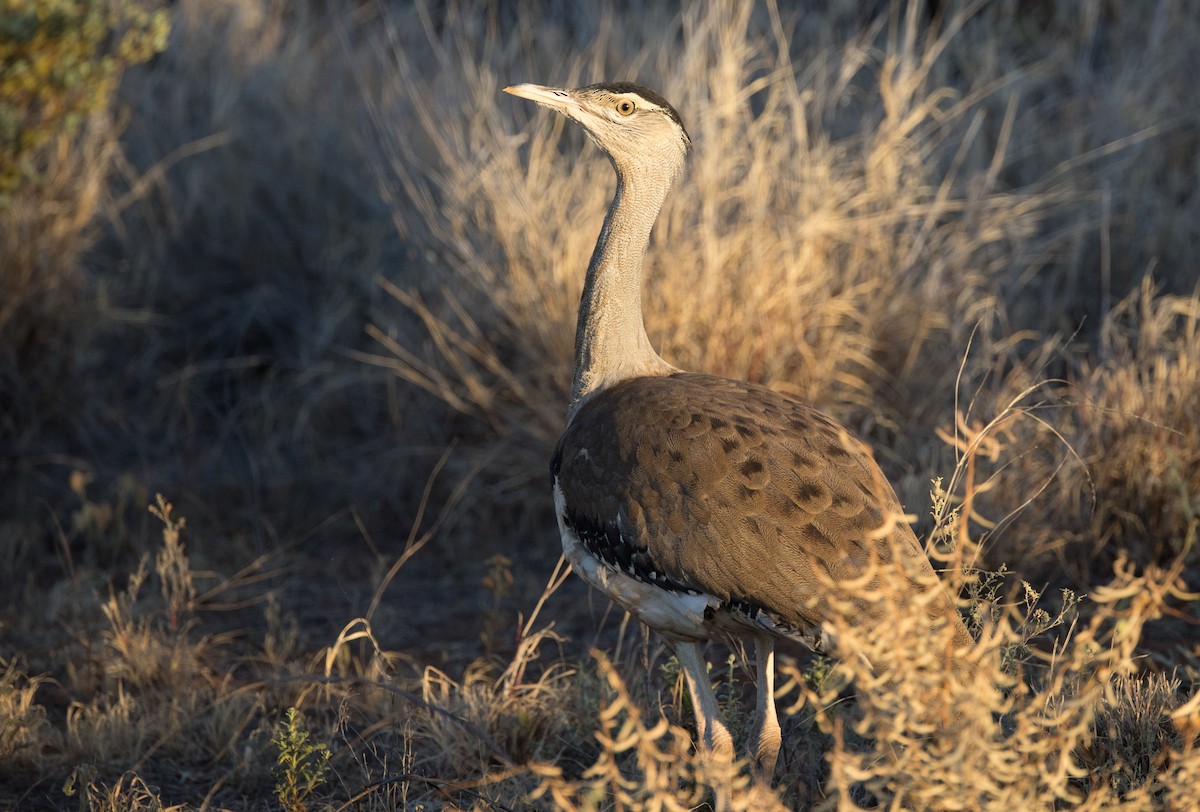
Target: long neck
[610,340]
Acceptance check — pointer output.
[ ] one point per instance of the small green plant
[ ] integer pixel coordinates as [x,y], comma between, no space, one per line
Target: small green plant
[59,62]
[300,764]
[987,606]
[946,516]
[82,777]
[729,693]
[819,670]
[1037,620]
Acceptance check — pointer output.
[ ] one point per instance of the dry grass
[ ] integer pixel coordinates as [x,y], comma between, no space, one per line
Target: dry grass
[315,277]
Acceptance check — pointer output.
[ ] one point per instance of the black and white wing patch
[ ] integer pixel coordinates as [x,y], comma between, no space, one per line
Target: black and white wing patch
[606,542]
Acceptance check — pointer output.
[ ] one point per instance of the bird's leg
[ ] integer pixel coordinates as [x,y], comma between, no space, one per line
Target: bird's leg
[716,745]
[714,736]
[765,736]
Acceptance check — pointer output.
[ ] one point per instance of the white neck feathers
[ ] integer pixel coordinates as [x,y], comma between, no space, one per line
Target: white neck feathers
[610,341]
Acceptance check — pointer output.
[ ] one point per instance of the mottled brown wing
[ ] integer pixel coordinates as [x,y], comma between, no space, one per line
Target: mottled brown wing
[731,489]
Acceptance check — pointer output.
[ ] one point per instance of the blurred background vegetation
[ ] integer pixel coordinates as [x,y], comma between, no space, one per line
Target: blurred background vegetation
[303,269]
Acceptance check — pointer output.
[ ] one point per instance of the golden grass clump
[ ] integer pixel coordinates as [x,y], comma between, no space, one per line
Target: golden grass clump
[1115,443]
[1004,734]
[24,727]
[1136,422]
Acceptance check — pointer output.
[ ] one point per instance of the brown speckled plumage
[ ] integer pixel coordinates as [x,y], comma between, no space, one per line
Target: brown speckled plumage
[713,477]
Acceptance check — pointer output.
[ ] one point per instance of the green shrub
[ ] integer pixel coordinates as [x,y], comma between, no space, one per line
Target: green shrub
[300,765]
[59,63]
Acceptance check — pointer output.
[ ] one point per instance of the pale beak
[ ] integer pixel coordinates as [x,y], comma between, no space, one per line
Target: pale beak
[556,98]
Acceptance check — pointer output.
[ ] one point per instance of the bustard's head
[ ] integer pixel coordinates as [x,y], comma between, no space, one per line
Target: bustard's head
[639,129]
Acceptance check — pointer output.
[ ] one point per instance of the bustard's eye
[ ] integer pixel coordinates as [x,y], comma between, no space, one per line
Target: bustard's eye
[625,107]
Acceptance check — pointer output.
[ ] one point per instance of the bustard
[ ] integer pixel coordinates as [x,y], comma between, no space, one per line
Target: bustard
[707,507]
